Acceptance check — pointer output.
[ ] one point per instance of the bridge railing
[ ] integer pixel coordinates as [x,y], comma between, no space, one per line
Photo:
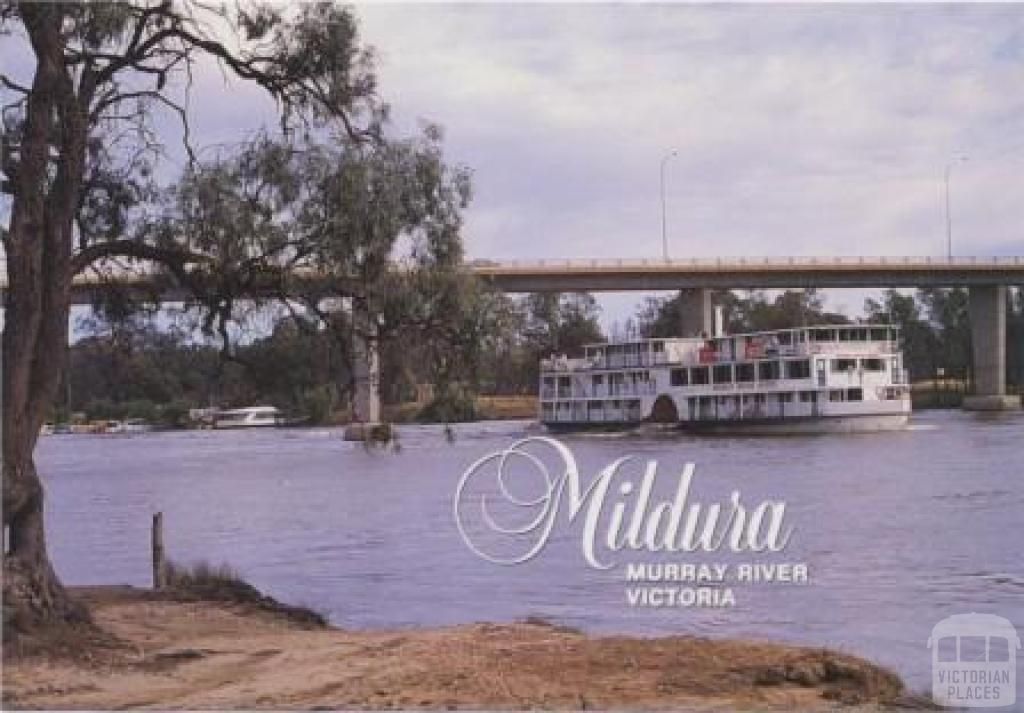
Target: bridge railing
[716,262]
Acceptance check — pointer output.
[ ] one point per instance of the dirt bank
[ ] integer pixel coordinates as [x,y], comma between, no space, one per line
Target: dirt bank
[165,651]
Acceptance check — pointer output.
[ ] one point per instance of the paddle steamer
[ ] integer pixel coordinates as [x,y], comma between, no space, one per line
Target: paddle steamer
[829,378]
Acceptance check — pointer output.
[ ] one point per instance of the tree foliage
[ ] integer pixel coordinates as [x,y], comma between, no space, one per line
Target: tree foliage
[752,312]
[936,331]
[79,149]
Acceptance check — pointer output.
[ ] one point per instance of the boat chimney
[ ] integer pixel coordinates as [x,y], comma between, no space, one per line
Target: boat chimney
[719,321]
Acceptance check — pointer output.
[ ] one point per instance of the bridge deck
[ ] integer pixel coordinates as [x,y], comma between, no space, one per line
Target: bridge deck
[778,272]
[722,273]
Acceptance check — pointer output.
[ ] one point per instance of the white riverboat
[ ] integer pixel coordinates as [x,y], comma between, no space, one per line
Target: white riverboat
[820,379]
[249,417]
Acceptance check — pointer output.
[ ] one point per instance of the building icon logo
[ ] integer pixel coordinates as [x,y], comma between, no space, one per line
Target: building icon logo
[974,661]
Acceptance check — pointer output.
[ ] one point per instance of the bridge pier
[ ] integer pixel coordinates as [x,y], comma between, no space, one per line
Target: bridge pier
[988,344]
[366,413]
[696,312]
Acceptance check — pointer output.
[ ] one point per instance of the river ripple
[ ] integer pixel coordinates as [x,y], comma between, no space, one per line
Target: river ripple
[900,529]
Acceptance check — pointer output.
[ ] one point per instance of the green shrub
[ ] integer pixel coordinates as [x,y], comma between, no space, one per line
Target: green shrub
[318,404]
[454,406]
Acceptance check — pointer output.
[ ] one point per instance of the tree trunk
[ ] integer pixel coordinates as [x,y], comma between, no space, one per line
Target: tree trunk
[38,246]
[32,594]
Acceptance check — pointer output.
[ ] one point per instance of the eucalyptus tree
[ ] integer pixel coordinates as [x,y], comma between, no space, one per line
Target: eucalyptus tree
[78,149]
[359,240]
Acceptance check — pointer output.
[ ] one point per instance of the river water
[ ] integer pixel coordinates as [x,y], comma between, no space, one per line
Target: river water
[899,530]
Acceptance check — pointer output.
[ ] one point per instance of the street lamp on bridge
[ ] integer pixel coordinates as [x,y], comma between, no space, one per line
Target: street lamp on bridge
[949,219]
[664,213]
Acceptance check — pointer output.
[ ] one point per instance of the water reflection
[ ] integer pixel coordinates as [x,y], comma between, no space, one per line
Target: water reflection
[900,529]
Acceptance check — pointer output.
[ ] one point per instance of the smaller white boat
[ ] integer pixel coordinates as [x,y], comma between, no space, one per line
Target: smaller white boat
[136,425]
[249,417]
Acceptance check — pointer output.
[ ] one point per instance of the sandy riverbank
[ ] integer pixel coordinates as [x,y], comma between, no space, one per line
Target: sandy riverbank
[166,651]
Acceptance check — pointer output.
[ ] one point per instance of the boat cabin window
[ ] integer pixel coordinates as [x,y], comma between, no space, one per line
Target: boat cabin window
[808,397]
[872,365]
[855,334]
[768,370]
[841,365]
[786,398]
[879,335]
[854,394]
[798,369]
[723,374]
[785,338]
[745,372]
[894,363]
[823,335]
[679,377]
[699,375]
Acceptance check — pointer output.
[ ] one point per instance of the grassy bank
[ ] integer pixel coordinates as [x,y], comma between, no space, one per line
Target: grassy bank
[165,650]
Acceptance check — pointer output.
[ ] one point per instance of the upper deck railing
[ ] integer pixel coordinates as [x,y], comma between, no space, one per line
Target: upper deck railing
[795,342]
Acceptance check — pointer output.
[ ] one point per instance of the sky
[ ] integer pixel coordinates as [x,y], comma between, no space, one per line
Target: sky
[798,129]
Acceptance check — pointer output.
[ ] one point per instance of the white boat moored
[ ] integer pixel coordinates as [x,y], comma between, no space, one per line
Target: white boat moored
[249,417]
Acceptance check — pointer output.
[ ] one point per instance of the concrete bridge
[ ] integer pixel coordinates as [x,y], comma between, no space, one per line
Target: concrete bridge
[748,273]
[985,277]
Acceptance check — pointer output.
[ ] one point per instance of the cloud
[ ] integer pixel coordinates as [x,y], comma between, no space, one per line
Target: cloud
[801,129]
[821,130]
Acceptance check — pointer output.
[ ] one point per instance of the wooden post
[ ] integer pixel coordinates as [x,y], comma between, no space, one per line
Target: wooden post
[159,569]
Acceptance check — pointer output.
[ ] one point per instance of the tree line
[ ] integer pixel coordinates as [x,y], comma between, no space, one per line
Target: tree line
[935,324]
[128,368]
[125,365]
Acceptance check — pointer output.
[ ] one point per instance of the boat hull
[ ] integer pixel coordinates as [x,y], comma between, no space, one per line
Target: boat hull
[590,426]
[855,423]
[851,423]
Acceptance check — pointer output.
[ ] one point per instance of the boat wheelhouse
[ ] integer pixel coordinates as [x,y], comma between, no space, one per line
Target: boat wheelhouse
[847,377]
